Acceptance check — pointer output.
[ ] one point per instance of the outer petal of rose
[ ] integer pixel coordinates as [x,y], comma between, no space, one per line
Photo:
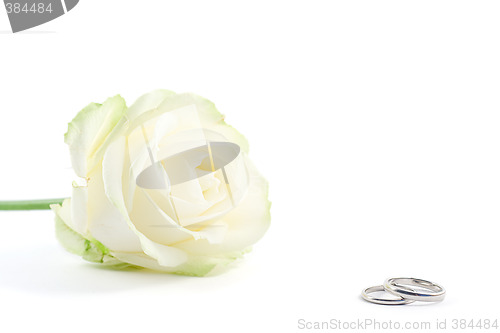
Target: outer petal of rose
[75,243]
[209,116]
[147,102]
[113,164]
[88,131]
[195,266]
[95,252]
[79,204]
[105,223]
[247,223]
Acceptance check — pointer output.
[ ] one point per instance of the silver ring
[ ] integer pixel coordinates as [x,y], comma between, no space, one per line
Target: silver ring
[395,286]
[385,301]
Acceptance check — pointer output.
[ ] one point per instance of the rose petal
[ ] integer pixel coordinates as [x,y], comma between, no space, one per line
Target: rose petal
[75,243]
[79,214]
[106,223]
[209,117]
[247,223]
[194,266]
[147,102]
[88,131]
[113,164]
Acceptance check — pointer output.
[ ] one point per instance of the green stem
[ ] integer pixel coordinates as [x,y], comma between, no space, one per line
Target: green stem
[29,204]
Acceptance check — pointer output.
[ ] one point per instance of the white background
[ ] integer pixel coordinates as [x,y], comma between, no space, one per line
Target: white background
[376,123]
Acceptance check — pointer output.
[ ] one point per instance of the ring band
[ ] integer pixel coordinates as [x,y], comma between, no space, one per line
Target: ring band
[394,286]
[385,301]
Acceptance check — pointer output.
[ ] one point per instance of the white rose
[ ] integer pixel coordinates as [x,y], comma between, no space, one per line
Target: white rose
[165,184]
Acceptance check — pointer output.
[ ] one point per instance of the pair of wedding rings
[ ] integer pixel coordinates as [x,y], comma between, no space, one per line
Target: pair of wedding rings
[402,288]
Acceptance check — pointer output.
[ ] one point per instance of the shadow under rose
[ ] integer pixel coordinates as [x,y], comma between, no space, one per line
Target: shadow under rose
[50,270]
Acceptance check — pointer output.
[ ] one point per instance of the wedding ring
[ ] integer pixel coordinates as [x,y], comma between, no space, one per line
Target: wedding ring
[399,287]
[385,301]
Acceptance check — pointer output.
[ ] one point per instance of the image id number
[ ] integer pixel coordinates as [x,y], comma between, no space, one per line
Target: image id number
[35,8]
